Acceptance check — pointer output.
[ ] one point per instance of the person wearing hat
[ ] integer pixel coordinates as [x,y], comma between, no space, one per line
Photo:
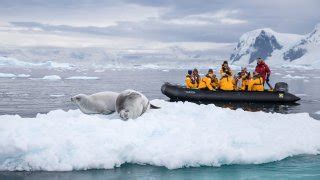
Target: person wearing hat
[208,82]
[227,82]
[256,83]
[190,82]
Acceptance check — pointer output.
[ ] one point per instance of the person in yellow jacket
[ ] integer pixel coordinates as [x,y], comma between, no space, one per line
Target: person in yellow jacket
[227,82]
[214,82]
[207,82]
[225,68]
[190,82]
[256,83]
[196,76]
[245,79]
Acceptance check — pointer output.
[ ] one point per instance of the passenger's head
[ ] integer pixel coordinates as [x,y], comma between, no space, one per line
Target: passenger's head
[225,64]
[259,60]
[195,71]
[228,73]
[244,69]
[189,72]
[210,72]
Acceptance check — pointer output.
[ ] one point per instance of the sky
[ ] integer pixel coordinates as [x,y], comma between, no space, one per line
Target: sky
[145,24]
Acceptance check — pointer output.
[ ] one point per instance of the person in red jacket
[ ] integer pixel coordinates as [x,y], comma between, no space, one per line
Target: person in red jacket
[263,69]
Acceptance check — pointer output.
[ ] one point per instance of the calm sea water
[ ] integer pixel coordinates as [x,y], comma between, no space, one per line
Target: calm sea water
[32,95]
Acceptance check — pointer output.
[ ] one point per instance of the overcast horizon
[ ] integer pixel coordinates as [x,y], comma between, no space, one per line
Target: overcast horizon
[145,25]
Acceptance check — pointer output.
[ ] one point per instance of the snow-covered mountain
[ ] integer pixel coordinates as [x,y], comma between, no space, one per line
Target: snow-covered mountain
[306,50]
[278,48]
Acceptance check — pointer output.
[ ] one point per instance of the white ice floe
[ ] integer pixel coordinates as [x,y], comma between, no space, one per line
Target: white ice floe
[177,135]
[7,75]
[23,75]
[52,77]
[57,95]
[289,76]
[83,77]
[10,75]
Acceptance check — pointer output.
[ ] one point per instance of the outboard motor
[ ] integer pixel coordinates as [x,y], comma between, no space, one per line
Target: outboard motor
[281,87]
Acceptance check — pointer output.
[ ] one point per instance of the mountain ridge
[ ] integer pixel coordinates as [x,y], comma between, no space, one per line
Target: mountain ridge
[277,48]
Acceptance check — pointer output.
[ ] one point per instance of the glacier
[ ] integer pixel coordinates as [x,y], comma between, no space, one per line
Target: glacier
[176,136]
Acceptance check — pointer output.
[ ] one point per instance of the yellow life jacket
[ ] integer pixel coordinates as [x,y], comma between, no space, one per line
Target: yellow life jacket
[244,84]
[189,83]
[256,84]
[214,82]
[227,83]
[205,83]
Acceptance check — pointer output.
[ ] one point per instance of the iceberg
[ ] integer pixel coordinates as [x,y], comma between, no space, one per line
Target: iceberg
[176,136]
[83,77]
[52,77]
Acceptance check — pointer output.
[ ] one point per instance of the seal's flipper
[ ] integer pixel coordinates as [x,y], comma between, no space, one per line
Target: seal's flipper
[153,106]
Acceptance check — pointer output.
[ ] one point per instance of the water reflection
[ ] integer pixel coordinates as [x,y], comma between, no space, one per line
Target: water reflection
[254,107]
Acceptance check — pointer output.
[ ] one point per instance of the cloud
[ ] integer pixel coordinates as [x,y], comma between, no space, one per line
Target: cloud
[222,17]
[165,21]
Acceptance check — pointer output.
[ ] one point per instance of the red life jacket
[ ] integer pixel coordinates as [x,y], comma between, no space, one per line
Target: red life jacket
[263,70]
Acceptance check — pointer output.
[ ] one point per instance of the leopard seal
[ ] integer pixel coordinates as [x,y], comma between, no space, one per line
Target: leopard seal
[131,104]
[98,103]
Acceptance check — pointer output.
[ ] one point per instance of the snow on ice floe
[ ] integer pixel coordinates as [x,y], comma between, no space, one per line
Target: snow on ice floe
[10,75]
[56,95]
[175,136]
[51,77]
[7,75]
[289,76]
[83,77]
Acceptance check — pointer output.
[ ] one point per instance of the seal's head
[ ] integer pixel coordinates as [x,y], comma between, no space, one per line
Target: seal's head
[124,114]
[78,98]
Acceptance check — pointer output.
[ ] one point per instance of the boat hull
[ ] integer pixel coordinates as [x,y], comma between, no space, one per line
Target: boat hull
[180,93]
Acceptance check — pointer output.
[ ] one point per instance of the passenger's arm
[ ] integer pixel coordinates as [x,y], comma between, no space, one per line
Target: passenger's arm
[208,83]
[267,70]
[188,83]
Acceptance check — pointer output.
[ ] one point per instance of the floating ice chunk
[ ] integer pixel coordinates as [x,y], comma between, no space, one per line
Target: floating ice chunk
[57,95]
[23,75]
[83,77]
[52,77]
[7,75]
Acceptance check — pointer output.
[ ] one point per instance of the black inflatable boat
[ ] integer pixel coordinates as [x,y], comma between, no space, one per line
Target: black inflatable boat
[180,93]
